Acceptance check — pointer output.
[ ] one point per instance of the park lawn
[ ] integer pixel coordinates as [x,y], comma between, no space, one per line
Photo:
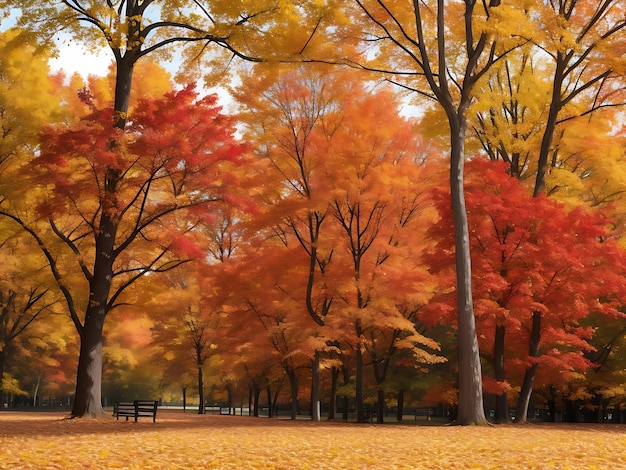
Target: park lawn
[186,441]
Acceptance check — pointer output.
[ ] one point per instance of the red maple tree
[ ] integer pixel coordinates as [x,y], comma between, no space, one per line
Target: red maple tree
[538,269]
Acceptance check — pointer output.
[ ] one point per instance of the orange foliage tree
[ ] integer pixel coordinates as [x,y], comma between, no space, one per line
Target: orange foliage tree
[350,200]
[379,202]
[191,308]
[292,122]
[440,50]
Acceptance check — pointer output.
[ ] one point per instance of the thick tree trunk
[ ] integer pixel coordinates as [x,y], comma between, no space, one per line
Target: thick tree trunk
[502,405]
[529,376]
[471,410]
[269,400]
[87,400]
[125,67]
[88,396]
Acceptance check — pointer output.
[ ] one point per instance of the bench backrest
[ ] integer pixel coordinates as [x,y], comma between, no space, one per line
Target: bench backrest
[146,406]
[136,408]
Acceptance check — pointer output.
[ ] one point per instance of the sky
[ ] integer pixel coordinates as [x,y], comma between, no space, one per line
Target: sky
[73,59]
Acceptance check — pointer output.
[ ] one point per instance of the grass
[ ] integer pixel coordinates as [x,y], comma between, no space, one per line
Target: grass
[190,441]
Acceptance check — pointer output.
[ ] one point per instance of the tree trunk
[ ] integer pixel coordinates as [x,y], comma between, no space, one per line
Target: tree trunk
[571,414]
[380,406]
[550,125]
[315,387]
[88,396]
[552,410]
[257,393]
[200,391]
[269,400]
[293,384]
[360,415]
[275,399]
[400,413]
[345,398]
[36,391]
[502,405]
[124,68]
[529,376]
[471,410]
[231,404]
[332,410]
[88,399]
[2,360]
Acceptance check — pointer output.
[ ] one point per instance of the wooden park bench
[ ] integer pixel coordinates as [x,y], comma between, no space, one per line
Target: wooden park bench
[136,409]
[427,412]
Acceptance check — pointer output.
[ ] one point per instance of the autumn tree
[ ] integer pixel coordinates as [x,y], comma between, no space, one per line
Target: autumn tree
[603,384]
[540,271]
[441,50]
[26,105]
[191,319]
[133,29]
[292,121]
[200,338]
[586,40]
[341,189]
[256,346]
[550,109]
[27,101]
[547,99]
[378,202]
[24,299]
[124,225]
[507,116]
[271,280]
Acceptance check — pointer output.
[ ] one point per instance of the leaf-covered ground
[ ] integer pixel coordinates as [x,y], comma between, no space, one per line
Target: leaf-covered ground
[186,441]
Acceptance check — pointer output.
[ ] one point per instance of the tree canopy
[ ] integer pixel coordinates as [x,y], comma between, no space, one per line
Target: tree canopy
[318,245]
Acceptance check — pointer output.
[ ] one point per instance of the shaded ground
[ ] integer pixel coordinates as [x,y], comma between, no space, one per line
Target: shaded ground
[186,441]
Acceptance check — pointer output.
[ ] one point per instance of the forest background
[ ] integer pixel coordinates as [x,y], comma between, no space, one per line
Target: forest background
[303,245]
